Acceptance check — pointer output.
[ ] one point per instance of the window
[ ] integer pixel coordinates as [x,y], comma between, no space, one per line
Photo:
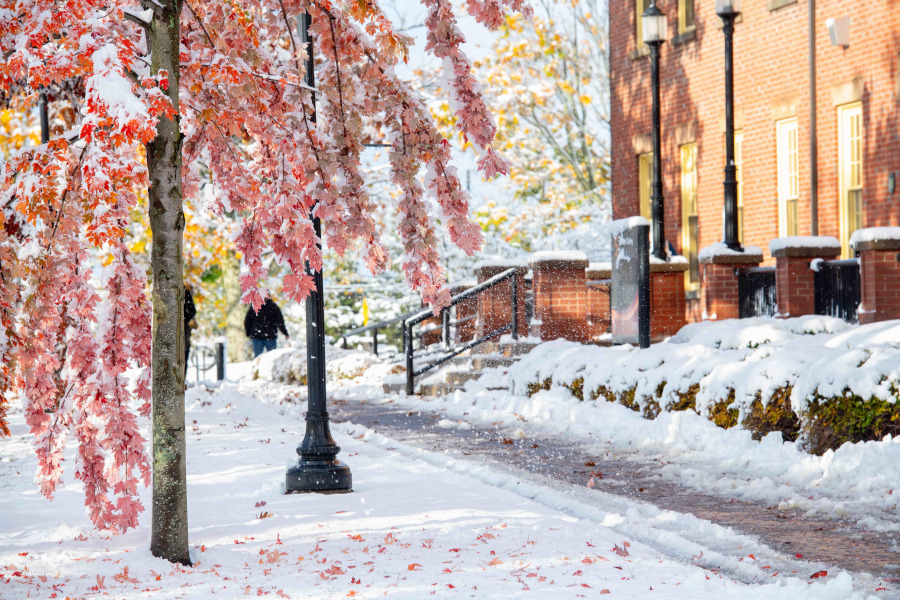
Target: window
[645,183]
[639,7]
[788,176]
[739,165]
[851,172]
[690,217]
[686,21]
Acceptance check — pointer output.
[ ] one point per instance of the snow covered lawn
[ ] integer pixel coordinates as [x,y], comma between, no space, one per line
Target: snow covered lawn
[415,526]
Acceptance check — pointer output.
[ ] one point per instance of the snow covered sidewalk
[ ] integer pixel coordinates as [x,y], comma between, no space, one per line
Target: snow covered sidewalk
[415,526]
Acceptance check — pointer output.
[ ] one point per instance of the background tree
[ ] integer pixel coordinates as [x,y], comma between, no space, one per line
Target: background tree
[186,82]
[546,79]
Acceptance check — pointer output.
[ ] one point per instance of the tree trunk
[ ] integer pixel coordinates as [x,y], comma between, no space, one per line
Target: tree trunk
[169,538]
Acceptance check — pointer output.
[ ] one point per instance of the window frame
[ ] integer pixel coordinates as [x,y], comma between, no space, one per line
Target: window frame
[690,207]
[645,185]
[787,157]
[682,15]
[852,217]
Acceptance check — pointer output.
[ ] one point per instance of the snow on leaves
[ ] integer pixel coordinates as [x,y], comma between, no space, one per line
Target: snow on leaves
[274,152]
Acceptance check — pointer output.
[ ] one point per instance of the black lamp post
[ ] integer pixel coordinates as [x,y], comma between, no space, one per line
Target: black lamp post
[318,469]
[728,10]
[44,116]
[653,26]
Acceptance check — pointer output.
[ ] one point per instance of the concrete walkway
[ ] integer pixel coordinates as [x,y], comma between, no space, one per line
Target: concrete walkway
[805,542]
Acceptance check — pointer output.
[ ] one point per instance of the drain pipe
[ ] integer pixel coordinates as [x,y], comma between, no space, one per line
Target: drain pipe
[813,136]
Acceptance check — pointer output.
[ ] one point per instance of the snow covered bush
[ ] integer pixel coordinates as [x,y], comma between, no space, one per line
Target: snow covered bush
[812,378]
[288,365]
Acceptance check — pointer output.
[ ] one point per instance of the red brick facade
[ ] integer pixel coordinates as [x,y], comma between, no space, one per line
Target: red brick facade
[771,82]
[494,304]
[880,266]
[667,303]
[795,280]
[560,298]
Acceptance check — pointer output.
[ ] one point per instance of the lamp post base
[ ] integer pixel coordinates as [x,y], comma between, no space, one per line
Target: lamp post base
[319,476]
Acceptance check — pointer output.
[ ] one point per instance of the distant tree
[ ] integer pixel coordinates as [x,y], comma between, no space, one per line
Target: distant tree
[546,79]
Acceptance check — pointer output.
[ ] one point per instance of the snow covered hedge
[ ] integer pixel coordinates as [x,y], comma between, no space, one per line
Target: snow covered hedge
[288,365]
[812,378]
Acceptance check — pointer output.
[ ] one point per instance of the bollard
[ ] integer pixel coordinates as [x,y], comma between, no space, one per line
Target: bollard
[220,361]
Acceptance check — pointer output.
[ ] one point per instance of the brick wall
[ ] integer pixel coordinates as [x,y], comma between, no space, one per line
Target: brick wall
[880,279]
[667,304]
[494,304]
[560,299]
[771,81]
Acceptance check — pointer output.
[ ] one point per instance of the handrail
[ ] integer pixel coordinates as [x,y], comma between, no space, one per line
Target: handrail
[513,326]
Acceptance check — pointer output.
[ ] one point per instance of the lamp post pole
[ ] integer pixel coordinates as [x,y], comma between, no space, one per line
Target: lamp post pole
[656,197]
[728,10]
[44,116]
[318,469]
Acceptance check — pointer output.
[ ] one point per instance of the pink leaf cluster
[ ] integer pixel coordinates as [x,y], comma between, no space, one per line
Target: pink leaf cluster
[276,153]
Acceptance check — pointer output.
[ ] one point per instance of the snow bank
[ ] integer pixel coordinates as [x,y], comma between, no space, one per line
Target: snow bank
[728,365]
[874,234]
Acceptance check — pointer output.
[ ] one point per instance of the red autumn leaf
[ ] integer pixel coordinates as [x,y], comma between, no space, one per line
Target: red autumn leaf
[495,562]
[413,567]
[819,574]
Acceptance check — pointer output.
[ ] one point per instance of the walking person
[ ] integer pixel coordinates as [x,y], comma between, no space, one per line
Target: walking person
[262,327]
[190,311]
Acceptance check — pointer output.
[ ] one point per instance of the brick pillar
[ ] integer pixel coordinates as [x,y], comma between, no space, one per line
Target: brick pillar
[599,279]
[494,304]
[719,279]
[879,253]
[467,309]
[560,296]
[431,329]
[667,303]
[795,281]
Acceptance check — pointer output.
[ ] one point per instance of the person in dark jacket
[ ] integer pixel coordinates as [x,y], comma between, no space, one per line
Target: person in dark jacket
[262,327]
[190,311]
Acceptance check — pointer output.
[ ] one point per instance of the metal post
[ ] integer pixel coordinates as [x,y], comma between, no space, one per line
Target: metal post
[813,133]
[318,469]
[44,116]
[408,348]
[445,326]
[220,361]
[514,298]
[644,286]
[375,341]
[656,197]
[731,207]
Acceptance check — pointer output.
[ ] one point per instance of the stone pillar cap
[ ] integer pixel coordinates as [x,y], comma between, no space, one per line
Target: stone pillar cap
[675,264]
[876,238]
[805,246]
[461,286]
[720,254]
[498,265]
[571,259]
[599,270]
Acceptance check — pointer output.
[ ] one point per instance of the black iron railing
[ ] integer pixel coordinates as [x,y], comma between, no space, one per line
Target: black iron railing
[756,292]
[837,288]
[452,350]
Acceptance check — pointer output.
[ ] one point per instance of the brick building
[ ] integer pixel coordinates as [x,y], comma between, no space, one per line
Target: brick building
[857,89]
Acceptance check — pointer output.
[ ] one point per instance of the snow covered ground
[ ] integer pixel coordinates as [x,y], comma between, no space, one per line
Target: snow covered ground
[417,525]
[858,481]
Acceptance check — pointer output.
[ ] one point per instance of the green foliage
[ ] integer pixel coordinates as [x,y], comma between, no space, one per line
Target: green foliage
[827,423]
[849,418]
[776,415]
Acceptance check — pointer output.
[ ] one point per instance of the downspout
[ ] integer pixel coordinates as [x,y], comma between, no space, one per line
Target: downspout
[813,136]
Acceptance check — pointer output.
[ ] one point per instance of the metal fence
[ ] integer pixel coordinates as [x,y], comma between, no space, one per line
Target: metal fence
[838,290]
[757,295]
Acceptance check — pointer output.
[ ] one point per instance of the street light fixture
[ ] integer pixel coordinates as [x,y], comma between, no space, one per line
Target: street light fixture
[728,10]
[318,469]
[653,26]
